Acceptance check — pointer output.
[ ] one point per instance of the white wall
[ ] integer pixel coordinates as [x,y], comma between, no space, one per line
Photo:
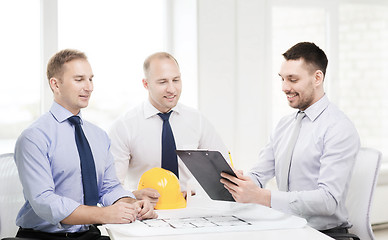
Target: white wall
[232,79]
[48,47]
[183,46]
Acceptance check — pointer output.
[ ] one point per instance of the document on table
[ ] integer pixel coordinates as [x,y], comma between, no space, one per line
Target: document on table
[210,216]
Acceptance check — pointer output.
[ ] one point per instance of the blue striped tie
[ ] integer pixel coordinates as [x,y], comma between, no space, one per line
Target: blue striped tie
[169,158]
[88,169]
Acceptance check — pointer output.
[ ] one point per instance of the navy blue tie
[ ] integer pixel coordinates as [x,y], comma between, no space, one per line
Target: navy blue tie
[88,169]
[169,158]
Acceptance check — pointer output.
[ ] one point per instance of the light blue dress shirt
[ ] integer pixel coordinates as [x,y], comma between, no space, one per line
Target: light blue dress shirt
[321,167]
[47,159]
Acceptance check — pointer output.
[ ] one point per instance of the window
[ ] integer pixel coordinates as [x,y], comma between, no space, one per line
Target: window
[307,24]
[363,73]
[358,58]
[21,66]
[116,37]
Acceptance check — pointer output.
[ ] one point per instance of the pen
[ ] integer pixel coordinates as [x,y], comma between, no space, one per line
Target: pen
[230,157]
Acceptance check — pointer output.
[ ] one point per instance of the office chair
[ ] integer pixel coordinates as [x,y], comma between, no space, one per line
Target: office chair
[11,197]
[360,194]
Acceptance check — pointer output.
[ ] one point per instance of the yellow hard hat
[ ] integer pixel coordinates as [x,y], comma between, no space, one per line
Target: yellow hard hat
[167,184]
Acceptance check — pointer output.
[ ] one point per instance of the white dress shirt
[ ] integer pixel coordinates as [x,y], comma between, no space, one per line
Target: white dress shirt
[321,166]
[136,141]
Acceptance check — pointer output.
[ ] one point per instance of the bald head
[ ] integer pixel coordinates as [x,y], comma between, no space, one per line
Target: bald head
[159,56]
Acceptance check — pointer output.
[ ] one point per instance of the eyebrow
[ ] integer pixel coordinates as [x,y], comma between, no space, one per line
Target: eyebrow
[166,79]
[161,79]
[82,76]
[289,75]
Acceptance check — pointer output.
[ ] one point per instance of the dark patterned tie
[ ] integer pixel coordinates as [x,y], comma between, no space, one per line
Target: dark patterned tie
[88,169]
[169,158]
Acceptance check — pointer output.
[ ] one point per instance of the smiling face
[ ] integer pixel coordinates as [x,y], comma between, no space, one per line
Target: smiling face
[302,85]
[73,90]
[163,83]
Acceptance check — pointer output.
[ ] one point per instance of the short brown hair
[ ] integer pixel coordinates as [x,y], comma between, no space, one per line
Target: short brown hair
[56,62]
[159,55]
[310,53]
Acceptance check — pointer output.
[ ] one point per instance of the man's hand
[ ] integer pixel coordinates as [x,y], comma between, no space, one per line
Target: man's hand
[124,210]
[244,190]
[149,194]
[121,212]
[146,210]
[184,193]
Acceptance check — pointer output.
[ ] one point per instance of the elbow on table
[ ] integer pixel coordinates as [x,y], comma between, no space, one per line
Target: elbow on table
[323,204]
[329,206]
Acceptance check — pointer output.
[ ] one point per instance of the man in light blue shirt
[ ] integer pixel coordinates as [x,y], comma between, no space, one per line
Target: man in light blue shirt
[49,164]
[323,157]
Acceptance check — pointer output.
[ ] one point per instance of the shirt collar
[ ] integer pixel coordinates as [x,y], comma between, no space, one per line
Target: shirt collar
[150,110]
[317,108]
[61,114]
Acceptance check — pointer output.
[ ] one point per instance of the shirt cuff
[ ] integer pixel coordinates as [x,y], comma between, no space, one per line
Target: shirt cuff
[110,198]
[255,180]
[63,212]
[281,201]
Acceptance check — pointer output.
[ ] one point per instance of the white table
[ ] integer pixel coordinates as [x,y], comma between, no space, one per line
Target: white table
[264,223]
[307,233]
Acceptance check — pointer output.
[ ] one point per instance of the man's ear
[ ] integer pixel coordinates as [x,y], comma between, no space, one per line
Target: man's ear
[54,82]
[145,83]
[319,76]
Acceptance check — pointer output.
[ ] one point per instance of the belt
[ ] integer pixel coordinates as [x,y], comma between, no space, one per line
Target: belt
[63,235]
[335,230]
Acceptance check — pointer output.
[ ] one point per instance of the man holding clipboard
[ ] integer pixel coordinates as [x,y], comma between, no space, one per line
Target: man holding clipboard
[311,152]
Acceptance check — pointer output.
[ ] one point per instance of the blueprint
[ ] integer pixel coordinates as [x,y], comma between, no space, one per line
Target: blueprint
[206,216]
[196,222]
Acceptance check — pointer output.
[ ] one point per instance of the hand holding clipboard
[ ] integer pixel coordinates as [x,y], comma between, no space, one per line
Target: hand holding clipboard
[206,167]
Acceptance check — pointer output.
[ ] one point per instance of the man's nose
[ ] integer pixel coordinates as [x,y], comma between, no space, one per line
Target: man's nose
[170,87]
[285,86]
[88,86]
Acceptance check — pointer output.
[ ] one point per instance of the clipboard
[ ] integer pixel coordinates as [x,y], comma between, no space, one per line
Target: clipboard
[206,166]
